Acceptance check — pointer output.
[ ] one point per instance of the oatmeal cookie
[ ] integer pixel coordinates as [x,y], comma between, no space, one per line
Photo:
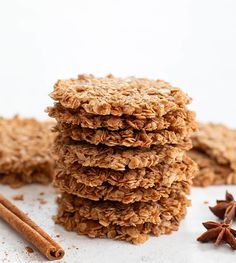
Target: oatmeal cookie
[66,183]
[116,96]
[25,151]
[127,137]
[177,119]
[117,158]
[218,142]
[115,213]
[210,172]
[215,153]
[137,234]
[161,174]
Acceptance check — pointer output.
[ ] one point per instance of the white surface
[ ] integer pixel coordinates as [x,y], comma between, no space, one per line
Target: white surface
[179,247]
[186,42]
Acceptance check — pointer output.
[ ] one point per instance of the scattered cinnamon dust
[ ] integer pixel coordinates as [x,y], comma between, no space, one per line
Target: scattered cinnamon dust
[42,201]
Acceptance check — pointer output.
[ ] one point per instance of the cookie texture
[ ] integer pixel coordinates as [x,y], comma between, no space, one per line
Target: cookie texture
[26,151]
[126,137]
[218,141]
[116,96]
[215,153]
[162,174]
[116,213]
[117,158]
[122,168]
[210,172]
[69,184]
[177,119]
[138,233]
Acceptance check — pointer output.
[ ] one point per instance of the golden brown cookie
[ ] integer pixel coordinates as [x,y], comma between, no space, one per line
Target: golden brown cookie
[115,213]
[66,183]
[116,96]
[117,158]
[218,142]
[161,174]
[215,153]
[127,137]
[177,120]
[25,151]
[210,172]
[139,233]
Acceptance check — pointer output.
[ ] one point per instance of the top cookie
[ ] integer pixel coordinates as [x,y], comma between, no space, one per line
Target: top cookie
[218,142]
[139,97]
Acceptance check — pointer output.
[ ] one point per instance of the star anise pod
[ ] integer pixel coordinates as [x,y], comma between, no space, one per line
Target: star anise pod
[218,233]
[225,209]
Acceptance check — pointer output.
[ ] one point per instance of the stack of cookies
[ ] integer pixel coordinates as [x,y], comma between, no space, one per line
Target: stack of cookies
[122,167]
[26,151]
[215,153]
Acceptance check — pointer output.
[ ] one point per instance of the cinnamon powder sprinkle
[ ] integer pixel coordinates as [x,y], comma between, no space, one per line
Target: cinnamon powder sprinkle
[29,250]
[18,197]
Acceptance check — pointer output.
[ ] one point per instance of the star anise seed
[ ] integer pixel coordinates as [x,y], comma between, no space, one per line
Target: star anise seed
[218,233]
[225,209]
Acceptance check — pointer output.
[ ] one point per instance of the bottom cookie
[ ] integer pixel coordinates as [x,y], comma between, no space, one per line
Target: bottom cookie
[137,234]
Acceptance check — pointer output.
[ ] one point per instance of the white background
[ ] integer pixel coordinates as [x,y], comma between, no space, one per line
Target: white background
[188,43]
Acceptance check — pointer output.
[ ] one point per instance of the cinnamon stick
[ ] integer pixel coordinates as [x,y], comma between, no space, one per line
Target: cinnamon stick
[29,230]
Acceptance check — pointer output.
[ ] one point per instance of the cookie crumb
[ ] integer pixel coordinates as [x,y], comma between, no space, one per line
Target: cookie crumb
[42,201]
[29,249]
[205,202]
[18,197]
